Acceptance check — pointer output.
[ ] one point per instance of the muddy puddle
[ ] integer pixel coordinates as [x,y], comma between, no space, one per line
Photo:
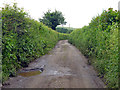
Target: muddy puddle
[30,73]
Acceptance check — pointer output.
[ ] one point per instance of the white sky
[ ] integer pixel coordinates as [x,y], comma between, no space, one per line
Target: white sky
[77,12]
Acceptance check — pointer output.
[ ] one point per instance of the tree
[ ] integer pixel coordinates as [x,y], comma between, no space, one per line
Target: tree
[52,19]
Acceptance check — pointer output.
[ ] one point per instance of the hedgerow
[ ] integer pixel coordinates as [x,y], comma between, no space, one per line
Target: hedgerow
[63,36]
[23,40]
[99,42]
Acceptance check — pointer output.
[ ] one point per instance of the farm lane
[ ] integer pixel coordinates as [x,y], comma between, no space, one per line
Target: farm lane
[64,67]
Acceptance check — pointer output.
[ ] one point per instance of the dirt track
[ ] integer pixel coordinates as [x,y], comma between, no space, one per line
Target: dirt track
[65,67]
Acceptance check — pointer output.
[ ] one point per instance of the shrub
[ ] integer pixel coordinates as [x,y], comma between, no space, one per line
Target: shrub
[99,41]
[23,40]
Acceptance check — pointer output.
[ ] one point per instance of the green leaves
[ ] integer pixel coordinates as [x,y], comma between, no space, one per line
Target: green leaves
[24,39]
[99,41]
[52,19]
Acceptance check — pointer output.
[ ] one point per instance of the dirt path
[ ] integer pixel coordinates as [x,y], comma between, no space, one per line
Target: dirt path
[65,67]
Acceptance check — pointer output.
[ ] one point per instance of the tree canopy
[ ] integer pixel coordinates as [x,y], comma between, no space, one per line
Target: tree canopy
[52,19]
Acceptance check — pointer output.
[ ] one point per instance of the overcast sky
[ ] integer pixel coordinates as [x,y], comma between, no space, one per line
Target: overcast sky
[77,12]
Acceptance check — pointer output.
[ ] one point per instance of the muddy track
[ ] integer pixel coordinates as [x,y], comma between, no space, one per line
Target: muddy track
[64,67]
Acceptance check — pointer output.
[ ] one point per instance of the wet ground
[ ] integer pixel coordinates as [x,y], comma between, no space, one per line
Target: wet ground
[63,67]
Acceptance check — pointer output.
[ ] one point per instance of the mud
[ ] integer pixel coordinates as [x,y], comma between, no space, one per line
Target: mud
[65,67]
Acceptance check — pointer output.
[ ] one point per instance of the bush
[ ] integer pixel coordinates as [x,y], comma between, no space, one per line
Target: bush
[23,40]
[99,42]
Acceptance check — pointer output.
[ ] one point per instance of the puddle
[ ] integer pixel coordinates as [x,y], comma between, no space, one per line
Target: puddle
[28,74]
[31,72]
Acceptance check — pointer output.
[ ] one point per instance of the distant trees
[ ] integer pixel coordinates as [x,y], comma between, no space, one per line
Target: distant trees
[52,19]
[64,29]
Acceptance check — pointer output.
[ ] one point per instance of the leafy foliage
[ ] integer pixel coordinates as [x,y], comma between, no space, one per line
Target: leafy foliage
[99,42]
[52,19]
[23,40]
[64,29]
[63,36]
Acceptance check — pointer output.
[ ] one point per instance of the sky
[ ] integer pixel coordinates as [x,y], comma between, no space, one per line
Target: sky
[77,13]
